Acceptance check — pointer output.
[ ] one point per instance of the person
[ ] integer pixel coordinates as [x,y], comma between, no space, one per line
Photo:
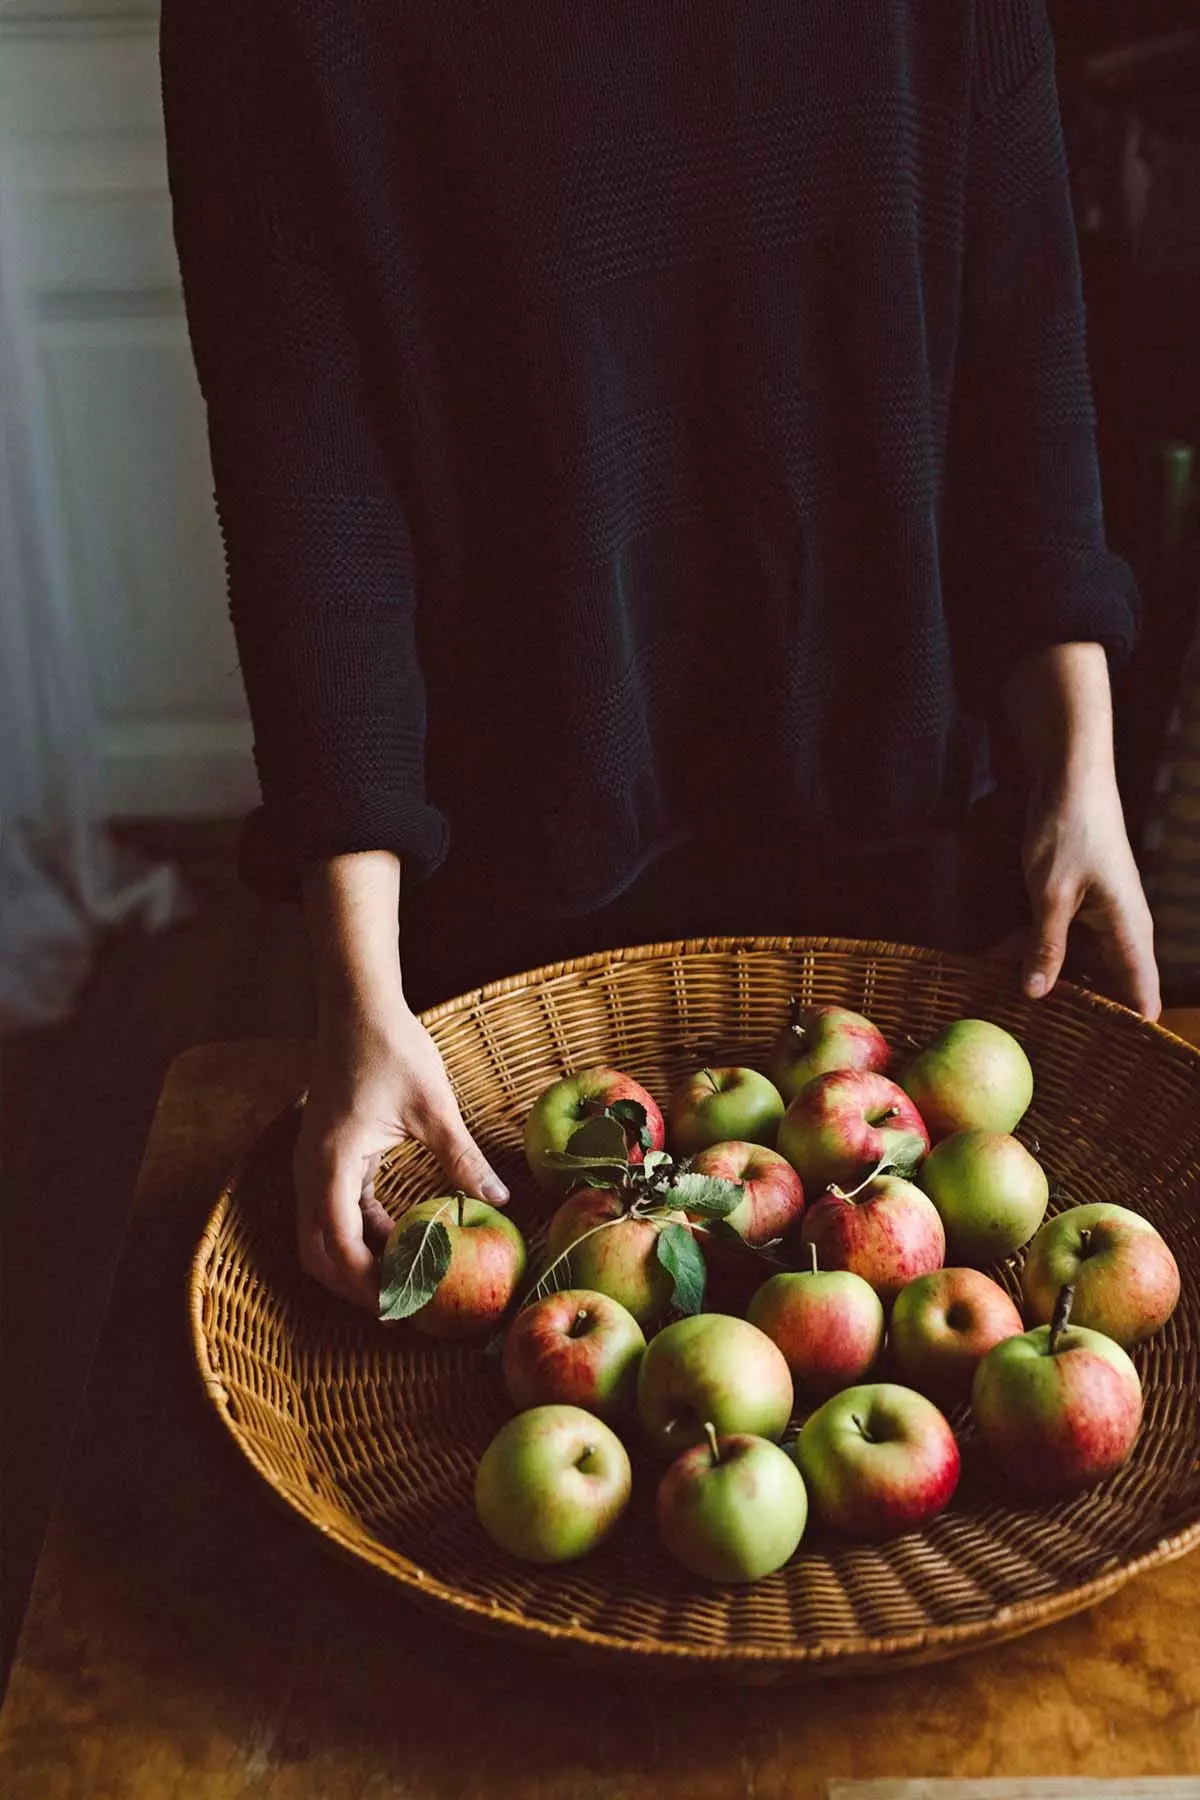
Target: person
[656,445]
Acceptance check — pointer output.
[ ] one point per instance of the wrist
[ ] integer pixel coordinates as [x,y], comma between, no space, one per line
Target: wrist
[1059,703]
[351,906]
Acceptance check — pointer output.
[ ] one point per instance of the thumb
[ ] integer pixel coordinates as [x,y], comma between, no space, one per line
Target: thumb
[1053,910]
[462,1160]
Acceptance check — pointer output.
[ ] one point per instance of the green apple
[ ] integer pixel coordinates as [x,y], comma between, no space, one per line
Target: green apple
[576,1347]
[942,1324]
[992,1194]
[1058,1407]
[972,1076]
[562,1108]
[733,1508]
[878,1460]
[712,1368]
[1125,1278]
[487,1261]
[552,1484]
[621,1259]
[828,1322]
[717,1106]
[819,1039]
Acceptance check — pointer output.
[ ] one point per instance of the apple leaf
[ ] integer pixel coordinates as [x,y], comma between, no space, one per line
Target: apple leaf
[904,1163]
[710,1195]
[682,1258]
[729,1234]
[600,1139]
[631,1114]
[413,1267]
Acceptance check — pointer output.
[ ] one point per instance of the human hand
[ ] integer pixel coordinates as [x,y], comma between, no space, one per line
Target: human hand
[378,1080]
[1079,869]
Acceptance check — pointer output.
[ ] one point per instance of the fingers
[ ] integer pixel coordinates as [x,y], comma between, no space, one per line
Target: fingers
[331,1224]
[1125,929]
[462,1160]
[1046,945]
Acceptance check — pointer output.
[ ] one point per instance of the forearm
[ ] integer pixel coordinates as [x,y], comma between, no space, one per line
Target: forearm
[351,904]
[1059,705]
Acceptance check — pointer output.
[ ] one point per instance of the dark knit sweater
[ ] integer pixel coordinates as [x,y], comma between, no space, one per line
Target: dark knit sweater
[631,418]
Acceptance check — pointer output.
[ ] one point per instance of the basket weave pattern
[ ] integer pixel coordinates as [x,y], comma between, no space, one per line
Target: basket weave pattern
[373,1434]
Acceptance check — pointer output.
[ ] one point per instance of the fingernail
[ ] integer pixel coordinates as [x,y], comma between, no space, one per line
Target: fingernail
[1035,987]
[494,1189]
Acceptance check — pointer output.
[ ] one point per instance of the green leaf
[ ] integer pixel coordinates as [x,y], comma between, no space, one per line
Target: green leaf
[682,1258]
[729,1234]
[413,1266]
[600,1138]
[710,1195]
[630,1114]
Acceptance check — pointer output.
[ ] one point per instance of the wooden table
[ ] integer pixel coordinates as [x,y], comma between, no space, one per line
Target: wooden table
[188,1640]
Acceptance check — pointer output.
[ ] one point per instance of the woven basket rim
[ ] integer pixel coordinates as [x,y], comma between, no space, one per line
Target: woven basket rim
[827,1654]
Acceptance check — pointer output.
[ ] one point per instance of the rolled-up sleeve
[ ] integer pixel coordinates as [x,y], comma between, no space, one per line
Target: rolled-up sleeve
[319,557]
[1027,563]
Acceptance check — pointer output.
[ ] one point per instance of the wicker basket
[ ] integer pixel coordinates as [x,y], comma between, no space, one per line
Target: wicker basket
[373,1436]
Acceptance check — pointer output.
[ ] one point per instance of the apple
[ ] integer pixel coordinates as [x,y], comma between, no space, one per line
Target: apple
[716,1106]
[774,1195]
[972,1076]
[552,1484]
[828,1322]
[621,1260]
[942,1324]
[992,1194]
[887,1231]
[487,1260]
[712,1368]
[878,1460]
[1058,1407]
[1125,1278]
[578,1347]
[561,1109]
[819,1039]
[733,1508]
[843,1125]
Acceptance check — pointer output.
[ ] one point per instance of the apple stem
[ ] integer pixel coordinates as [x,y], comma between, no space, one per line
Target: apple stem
[711,1080]
[578,1321]
[1062,1312]
[710,1432]
[1085,1238]
[862,1428]
[865,1182]
[812,1251]
[462,1210]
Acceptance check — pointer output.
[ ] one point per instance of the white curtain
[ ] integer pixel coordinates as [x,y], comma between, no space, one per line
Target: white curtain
[62,879]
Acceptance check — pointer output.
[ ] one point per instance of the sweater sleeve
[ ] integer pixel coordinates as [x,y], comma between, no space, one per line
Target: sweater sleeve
[1027,563]
[318,553]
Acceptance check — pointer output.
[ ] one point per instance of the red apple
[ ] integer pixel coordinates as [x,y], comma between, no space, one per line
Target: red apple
[887,1231]
[717,1106]
[1126,1280]
[563,1107]
[1059,1407]
[818,1039]
[487,1260]
[774,1195]
[843,1125]
[878,1460]
[621,1260]
[942,1325]
[828,1323]
[575,1348]
[716,1369]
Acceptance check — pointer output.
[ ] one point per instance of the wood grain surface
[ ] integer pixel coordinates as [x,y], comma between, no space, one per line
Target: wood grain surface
[187,1640]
